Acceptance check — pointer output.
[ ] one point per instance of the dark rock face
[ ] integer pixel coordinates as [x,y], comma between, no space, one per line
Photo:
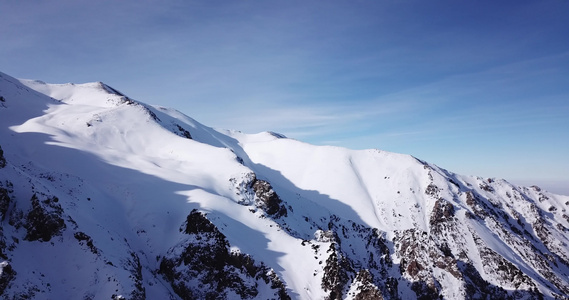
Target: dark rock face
[443,211]
[335,273]
[134,266]
[4,202]
[183,132]
[2,159]
[203,267]
[368,274]
[7,274]
[44,220]
[366,289]
[82,237]
[419,257]
[432,190]
[268,198]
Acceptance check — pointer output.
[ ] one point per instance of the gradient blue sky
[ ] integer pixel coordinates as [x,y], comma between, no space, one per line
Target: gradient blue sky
[477,87]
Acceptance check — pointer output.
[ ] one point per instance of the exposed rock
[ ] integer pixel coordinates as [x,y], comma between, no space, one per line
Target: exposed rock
[44,220]
[2,159]
[478,206]
[4,202]
[348,239]
[432,190]
[509,275]
[335,274]
[81,236]
[443,211]
[476,287]
[324,236]
[366,289]
[486,187]
[268,199]
[135,268]
[7,274]
[419,256]
[203,267]
[183,132]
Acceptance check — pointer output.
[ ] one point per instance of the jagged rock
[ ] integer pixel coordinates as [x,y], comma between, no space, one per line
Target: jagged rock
[183,132]
[324,236]
[432,190]
[476,287]
[7,274]
[486,187]
[134,266]
[345,237]
[268,199]
[335,274]
[2,159]
[43,221]
[419,256]
[478,206]
[81,236]
[509,275]
[203,267]
[4,202]
[366,289]
[443,211]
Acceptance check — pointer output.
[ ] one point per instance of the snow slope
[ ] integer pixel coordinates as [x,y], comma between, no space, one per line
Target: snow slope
[103,196]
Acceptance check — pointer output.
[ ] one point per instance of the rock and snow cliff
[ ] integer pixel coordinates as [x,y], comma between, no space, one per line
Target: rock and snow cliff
[105,197]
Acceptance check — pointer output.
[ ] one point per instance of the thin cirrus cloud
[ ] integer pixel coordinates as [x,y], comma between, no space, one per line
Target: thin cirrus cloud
[456,83]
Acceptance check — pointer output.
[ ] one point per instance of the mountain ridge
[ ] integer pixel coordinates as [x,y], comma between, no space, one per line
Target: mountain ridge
[282,218]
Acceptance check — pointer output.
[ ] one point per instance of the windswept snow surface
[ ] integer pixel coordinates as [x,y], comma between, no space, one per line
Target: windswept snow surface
[127,175]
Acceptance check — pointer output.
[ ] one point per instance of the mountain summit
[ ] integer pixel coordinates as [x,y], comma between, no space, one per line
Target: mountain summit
[105,197]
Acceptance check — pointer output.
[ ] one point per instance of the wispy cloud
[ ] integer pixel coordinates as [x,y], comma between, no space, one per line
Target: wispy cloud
[421,78]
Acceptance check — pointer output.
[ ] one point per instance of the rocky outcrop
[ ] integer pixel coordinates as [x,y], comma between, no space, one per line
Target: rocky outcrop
[267,199]
[7,274]
[83,238]
[335,273]
[4,202]
[349,270]
[2,159]
[203,267]
[509,275]
[183,132]
[134,266]
[44,220]
[419,258]
[365,289]
[260,193]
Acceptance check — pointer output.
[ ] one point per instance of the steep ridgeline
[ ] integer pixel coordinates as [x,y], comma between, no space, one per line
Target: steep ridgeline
[105,197]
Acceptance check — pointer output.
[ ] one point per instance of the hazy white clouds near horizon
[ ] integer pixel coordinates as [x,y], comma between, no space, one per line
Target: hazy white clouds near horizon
[479,88]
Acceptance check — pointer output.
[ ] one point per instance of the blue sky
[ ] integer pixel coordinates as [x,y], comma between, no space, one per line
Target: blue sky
[477,87]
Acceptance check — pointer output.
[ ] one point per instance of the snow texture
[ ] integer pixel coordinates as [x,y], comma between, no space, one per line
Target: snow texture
[103,196]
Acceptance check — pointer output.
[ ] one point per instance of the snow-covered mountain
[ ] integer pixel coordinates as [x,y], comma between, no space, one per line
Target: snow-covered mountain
[105,197]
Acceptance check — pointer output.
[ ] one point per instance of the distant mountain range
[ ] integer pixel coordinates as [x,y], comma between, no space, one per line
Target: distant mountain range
[106,197]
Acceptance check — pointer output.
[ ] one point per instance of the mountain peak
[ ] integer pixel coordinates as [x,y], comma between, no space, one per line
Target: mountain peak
[133,201]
